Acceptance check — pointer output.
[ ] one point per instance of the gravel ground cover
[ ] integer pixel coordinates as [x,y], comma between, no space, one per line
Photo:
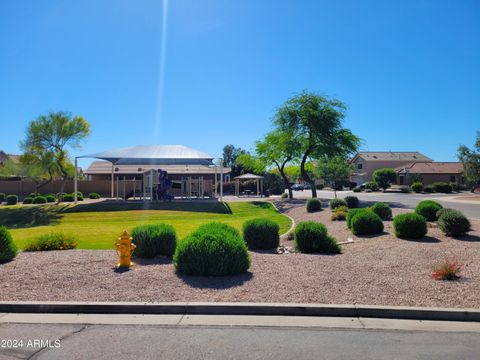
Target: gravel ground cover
[379,270]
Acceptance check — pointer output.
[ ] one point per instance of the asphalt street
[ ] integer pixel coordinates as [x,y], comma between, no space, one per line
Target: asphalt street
[80,341]
[470,209]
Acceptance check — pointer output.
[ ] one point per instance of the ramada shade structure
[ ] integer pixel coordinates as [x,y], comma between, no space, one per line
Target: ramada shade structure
[153,155]
[248,176]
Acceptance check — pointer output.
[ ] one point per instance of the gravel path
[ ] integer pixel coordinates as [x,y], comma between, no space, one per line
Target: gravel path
[380,270]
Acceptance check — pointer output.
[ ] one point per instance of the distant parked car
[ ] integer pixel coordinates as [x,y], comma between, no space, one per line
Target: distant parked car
[298,187]
[307,186]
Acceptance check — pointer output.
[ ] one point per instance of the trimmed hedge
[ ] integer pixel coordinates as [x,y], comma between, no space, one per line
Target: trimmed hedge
[94,196]
[8,250]
[417,187]
[11,199]
[352,201]
[366,223]
[340,213]
[383,210]
[371,185]
[357,190]
[442,187]
[313,205]
[51,198]
[52,241]
[154,239]
[40,200]
[428,209]
[213,250]
[453,223]
[334,203]
[410,226]
[261,234]
[27,200]
[68,198]
[352,212]
[428,189]
[312,237]
[2,197]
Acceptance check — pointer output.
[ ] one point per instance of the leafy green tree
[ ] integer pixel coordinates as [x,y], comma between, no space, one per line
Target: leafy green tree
[48,136]
[332,170]
[315,123]
[230,156]
[471,162]
[384,177]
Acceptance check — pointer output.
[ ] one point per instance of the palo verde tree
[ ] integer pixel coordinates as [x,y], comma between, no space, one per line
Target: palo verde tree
[332,170]
[47,138]
[471,162]
[384,177]
[316,123]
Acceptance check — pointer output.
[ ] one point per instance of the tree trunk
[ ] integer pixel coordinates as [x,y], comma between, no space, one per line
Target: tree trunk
[304,173]
[285,177]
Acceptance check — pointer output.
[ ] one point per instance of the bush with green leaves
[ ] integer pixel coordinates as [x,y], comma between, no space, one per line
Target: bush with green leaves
[261,233]
[213,250]
[313,205]
[52,241]
[352,212]
[334,203]
[453,223]
[366,223]
[410,226]
[40,200]
[27,200]
[442,187]
[2,197]
[383,210]
[94,195]
[384,177]
[68,198]
[428,209]
[11,199]
[51,198]
[312,237]
[371,185]
[357,189]
[417,187]
[154,239]
[8,250]
[339,213]
[428,189]
[79,195]
[352,201]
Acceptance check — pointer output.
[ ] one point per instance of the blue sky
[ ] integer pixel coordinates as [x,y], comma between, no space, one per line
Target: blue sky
[409,71]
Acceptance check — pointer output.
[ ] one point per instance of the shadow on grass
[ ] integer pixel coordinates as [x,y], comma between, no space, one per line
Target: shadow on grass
[218,283]
[192,206]
[30,216]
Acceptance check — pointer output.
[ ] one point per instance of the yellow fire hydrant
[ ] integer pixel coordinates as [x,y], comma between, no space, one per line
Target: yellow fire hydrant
[125,249]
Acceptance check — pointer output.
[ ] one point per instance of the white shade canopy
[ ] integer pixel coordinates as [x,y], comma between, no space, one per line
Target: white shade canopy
[248,176]
[154,154]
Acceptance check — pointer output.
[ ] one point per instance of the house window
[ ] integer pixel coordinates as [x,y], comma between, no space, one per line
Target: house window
[453,178]
[359,166]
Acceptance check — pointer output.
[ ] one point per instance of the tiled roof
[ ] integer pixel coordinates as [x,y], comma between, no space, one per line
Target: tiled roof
[432,168]
[392,156]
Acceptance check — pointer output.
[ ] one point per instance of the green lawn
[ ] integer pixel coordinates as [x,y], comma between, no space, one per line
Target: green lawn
[98,225]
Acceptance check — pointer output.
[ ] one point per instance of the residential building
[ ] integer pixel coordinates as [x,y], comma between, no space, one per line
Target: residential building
[430,172]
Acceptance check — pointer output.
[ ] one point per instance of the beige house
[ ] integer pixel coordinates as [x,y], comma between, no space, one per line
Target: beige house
[366,162]
[4,157]
[430,172]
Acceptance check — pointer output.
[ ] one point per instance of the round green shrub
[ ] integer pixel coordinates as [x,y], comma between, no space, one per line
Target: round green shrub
[428,189]
[51,198]
[313,205]
[2,197]
[94,196]
[27,200]
[366,223]
[40,200]
[8,250]
[312,237]
[153,240]
[453,223]
[417,187]
[212,251]
[428,209]
[383,210]
[442,187]
[357,190]
[52,241]
[443,211]
[352,201]
[410,226]
[79,196]
[11,199]
[68,198]
[352,212]
[33,195]
[261,234]
[334,203]
[372,185]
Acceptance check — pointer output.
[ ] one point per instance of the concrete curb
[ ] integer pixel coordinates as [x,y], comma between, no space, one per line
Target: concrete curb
[292,227]
[264,309]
